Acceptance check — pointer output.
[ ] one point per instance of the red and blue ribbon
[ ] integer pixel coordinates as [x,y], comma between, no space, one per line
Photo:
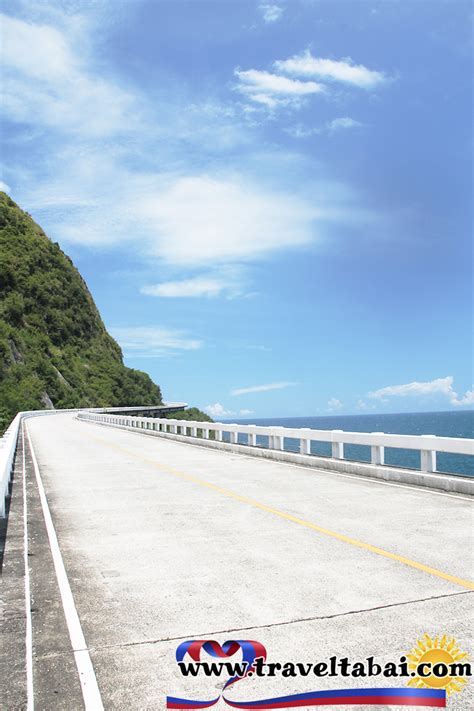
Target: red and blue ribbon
[430,698]
[434,698]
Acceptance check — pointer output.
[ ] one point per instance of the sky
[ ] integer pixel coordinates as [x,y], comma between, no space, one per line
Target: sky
[269,201]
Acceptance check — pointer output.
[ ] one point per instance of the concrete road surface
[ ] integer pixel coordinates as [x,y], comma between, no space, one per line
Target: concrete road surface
[160,542]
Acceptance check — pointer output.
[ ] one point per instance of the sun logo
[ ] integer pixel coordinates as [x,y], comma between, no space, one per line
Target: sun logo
[438,664]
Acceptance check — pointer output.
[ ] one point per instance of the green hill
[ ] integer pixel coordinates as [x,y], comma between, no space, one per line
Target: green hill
[54,348]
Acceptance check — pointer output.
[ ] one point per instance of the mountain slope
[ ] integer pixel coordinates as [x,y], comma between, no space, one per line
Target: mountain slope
[54,348]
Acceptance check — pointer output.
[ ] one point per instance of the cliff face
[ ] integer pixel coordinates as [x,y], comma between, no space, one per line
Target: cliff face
[54,348]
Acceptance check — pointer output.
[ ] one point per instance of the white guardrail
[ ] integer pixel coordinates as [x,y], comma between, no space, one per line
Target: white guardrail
[428,445]
[7,455]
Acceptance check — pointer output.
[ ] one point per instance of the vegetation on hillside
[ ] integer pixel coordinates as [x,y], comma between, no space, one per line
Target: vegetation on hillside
[54,348]
[192,413]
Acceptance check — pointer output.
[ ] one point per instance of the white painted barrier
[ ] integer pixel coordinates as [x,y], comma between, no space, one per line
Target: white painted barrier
[7,454]
[428,445]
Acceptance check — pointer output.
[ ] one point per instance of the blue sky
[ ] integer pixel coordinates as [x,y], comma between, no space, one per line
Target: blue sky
[270,201]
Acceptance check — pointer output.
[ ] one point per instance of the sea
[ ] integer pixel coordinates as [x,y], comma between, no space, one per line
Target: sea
[446,424]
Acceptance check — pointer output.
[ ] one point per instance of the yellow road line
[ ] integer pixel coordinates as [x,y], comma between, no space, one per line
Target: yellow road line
[294,519]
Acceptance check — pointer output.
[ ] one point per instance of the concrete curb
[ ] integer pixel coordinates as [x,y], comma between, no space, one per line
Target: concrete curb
[452,483]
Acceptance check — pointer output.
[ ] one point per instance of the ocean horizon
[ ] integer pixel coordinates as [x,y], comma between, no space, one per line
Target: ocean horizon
[441,423]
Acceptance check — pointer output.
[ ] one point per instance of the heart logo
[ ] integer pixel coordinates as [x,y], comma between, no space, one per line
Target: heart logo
[251,650]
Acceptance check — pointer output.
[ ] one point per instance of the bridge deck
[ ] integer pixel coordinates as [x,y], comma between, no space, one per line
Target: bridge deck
[163,541]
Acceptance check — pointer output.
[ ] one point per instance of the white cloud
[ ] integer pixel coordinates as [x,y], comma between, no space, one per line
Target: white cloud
[218,410]
[467,399]
[45,84]
[342,123]
[261,81]
[271,13]
[261,388]
[188,221]
[215,221]
[274,90]
[48,56]
[202,219]
[440,386]
[152,341]
[252,347]
[334,404]
[345,71]
[361,405]
[300,131]
[198,286]
[4,187]
[228,281]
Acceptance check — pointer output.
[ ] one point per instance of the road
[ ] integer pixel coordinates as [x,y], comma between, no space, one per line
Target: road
[163,541]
